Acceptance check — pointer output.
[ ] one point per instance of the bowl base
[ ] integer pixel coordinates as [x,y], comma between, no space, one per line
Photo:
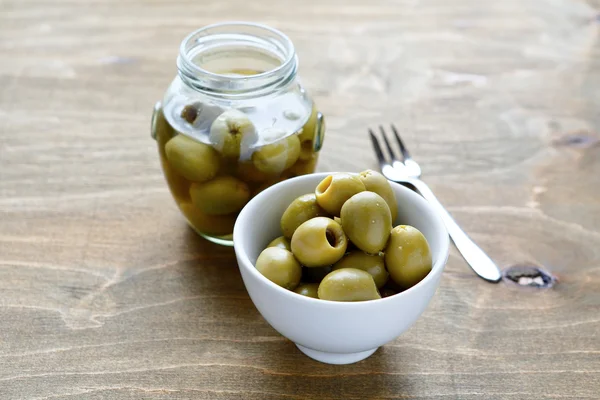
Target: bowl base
[336,358]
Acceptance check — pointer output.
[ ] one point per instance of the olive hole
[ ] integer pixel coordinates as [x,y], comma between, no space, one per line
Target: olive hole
[331,237]
[324,184]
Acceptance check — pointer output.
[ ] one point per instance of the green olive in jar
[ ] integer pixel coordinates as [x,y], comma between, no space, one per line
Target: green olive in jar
[348,284]
[266,185]
[306,150]
[178,185]
[407,256]
[299,211]
[308,130]
[280,267]
[303,167]
[319,242]
[308,290]
[367,221]
[222,195]
[232,133]
[163,131]
[308,135]
[193,160]
[373,264]
[247,172]
[333,191]
[274,158]
[281,242]
[375,182]
[218,225]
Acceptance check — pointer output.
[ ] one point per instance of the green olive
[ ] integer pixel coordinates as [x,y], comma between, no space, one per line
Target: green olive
[303,167]
[308,290]
[220,196]
[227,168]
[375,182]
[280,267]
[218,225]
[367,221]
[275,157]
[266,185]
[178,185]
[247,172]
[319,242]
[348,284]
[373,264]
[306,150]
[407,256]
[164,131]
[387,292]
[333,191]
[232,132]
[315,274]
[193,160]
[281,242]
[231,146]
[308,131]
[299,211]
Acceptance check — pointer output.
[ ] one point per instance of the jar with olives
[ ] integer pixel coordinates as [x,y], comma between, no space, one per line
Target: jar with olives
[234,121]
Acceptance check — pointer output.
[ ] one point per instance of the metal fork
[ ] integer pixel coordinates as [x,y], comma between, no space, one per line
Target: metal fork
[406,170]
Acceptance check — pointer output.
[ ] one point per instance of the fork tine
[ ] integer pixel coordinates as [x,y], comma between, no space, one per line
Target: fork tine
[403,148]
[387,144]
[377,148]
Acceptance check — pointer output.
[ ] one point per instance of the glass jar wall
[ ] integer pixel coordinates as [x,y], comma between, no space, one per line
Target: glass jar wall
[234,121]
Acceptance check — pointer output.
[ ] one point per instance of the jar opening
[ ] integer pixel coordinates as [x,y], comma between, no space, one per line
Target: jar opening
[237,59]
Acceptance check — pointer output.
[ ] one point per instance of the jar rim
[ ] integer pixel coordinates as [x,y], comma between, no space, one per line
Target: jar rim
[287,63]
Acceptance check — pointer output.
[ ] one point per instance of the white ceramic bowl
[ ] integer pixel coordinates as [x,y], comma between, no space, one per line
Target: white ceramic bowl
[328,331]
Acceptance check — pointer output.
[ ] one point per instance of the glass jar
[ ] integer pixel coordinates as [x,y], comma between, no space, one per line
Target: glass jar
[234,121]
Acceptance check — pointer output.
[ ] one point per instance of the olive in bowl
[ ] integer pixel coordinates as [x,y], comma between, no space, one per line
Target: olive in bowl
[334,332]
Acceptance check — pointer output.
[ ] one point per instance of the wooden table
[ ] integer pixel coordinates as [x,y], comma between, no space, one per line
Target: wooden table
[105,293]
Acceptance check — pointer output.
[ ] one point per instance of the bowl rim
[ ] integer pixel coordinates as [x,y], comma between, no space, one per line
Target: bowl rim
[244,260]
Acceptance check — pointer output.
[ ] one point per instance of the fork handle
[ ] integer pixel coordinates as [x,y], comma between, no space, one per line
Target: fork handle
[475,257]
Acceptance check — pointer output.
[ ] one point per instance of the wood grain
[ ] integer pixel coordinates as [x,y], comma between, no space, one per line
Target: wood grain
[106,294]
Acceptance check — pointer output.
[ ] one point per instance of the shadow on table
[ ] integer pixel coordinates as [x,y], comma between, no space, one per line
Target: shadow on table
[213,264]
[211,275]
[383,375]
